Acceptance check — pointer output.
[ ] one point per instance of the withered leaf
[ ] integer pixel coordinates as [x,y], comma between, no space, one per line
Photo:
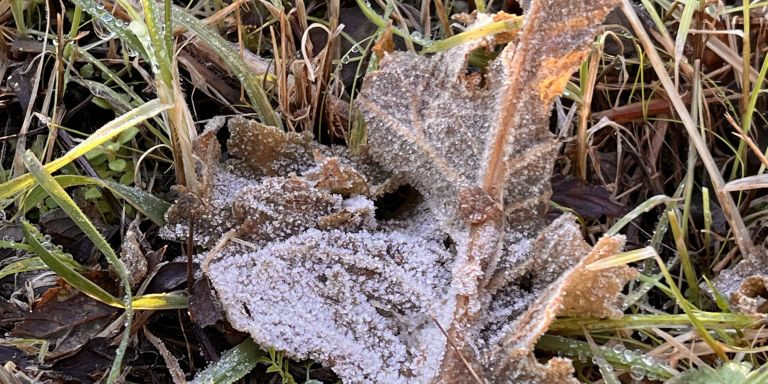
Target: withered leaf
[369,301]
[269,150]
[67,323]
[587,200]
[361,302]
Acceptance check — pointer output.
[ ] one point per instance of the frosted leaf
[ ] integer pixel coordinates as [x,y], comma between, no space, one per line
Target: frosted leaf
[268,150]
[558,283]
[132,257]
[730,281]
[597,293]
[279,207]
[360,303]
[427,120]
[211,212]
[752,295]
[321,284]
[336,177]
[356,213]
[263,209]
[425,124]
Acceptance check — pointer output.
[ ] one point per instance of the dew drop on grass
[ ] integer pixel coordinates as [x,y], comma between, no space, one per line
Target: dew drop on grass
[107,17]
[100,5]
[618,348]
[636,372]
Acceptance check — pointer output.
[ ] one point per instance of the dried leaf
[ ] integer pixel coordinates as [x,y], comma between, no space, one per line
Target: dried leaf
[132,257]
[204,309]
[268,150]
[597,293]
[321,279]
[362,303]
[587,200]
[79,317]
[742,280]
[335,177]
[752,295]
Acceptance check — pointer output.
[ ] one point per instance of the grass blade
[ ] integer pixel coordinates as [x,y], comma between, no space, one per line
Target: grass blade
[251,83]
[233,365]
[107,132]
[158,301]
[149,205]
[66,203]
[64,270]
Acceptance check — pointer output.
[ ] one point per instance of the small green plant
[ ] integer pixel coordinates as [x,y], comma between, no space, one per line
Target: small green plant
[276,363]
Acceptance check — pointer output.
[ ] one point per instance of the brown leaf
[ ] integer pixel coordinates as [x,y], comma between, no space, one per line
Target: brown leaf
[204,308]
[68,323]
[752,295]
[268,150]
[88,365]
[335,177]
[597,293]
[384,44]
[587,200]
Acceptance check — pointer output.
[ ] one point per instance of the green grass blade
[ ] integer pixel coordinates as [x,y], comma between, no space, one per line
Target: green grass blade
[73,211]
[685,259]
[645,207]
[107,132]
[65,270]
[154,26]
[233,365]
[251,82]
[24,265]
[572,347]
[149,205]
[114,25]
[711,320]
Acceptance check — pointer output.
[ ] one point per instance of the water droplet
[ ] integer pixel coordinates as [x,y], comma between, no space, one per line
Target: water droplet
[416,35]
[47,238]
[107,17]
[629,355]
[345,60]
[618,348]
[355,48]
[636,372]
[100,5]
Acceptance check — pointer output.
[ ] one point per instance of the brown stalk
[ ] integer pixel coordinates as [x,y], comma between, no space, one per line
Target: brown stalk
[586,108]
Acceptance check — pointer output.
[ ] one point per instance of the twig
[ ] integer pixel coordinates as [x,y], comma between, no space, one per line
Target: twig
[747,139]
[458,352]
